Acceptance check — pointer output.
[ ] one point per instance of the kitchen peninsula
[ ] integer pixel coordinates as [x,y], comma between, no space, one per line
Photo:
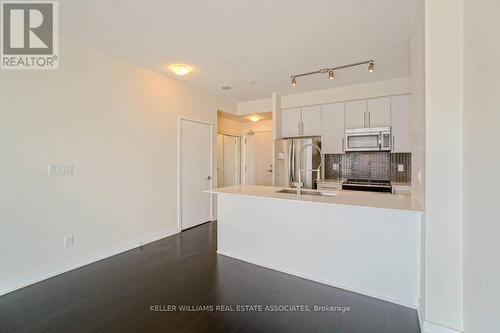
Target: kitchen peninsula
[360,241]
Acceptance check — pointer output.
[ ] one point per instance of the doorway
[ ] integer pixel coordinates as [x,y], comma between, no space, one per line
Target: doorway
[228,160]
[195,173]
[259,158]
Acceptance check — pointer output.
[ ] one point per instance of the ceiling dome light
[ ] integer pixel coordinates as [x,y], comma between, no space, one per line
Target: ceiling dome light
[254,118]
[331,74]
[180,69]
[371,67]
[294,82]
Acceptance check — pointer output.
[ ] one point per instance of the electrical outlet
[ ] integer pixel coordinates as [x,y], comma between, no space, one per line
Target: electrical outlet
[69,241]
[60,169]
[335,167]
[419,176]
[401,168]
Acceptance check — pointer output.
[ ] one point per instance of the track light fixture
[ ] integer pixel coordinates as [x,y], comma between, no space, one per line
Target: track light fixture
[371,67]
[331,71]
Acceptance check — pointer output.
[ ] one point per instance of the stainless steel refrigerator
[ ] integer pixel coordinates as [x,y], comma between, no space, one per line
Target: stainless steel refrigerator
[286,163]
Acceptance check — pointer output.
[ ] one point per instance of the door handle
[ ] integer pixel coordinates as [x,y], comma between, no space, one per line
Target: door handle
[209,177]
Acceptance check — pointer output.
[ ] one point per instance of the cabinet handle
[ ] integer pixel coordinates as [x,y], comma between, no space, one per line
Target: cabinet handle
[392,146]
[343,144]
[369,119]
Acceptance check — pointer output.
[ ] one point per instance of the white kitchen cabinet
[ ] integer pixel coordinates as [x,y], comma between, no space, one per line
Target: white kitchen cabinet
[332,137]
[401,124]
[379,112]
[304,121]
[311,120]
[355,114]
[290,122]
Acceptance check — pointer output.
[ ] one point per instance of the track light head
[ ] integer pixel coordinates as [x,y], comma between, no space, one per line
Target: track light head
[331,74]
[371,67]
[294,82]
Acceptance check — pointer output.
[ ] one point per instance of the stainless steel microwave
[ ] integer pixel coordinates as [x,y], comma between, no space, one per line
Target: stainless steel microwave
[368,139]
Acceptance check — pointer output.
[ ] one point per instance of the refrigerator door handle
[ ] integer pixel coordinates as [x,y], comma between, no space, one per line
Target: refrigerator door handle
[290,159]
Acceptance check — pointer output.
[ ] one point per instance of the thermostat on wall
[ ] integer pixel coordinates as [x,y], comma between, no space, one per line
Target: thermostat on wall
[60,169]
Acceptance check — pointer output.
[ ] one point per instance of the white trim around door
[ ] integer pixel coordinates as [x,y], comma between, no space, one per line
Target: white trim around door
[180,119]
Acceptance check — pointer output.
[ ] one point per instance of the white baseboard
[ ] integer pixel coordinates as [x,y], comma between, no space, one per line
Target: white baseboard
[31,278]
[435,328]
[420,321]
[412,306]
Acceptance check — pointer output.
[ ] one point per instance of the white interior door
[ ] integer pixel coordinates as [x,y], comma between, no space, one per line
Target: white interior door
[220,160]
[231,160]
[259,159]
[196,173]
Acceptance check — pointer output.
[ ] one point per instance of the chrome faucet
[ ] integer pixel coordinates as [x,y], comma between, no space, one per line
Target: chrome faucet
[300,184]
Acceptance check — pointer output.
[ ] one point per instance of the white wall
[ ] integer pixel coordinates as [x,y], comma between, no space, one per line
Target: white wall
[418,103]
[481,166]
[118,124]
[255,106]
[263,125]
[347,93]
[417,82]
[444,161]
[228,126]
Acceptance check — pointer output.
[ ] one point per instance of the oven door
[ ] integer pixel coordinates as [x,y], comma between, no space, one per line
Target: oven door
[362,142]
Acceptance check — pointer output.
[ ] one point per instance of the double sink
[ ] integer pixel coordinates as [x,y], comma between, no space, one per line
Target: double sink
[309,192]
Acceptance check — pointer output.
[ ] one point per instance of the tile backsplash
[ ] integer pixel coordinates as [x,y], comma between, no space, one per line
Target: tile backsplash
[369,165]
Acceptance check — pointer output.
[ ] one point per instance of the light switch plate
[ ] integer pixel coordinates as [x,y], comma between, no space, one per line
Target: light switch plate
[69,241]
[60,169]
[281,156]
[335,167]
[401,168]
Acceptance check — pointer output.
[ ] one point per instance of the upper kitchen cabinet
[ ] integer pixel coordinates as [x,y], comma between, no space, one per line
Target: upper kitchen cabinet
[290,122]
[304,121]
[332,138]
[355,114]
[311,120]
[401,123]
[379,112]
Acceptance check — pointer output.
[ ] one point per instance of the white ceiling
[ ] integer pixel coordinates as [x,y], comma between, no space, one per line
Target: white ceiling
[237,42]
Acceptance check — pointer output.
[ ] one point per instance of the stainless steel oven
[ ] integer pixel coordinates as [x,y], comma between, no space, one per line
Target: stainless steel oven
[368,139]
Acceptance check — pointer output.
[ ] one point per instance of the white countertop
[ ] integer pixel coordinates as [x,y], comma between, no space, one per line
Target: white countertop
[352,198]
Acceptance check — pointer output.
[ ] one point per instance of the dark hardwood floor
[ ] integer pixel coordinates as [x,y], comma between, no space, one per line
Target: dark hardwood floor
[116,295]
